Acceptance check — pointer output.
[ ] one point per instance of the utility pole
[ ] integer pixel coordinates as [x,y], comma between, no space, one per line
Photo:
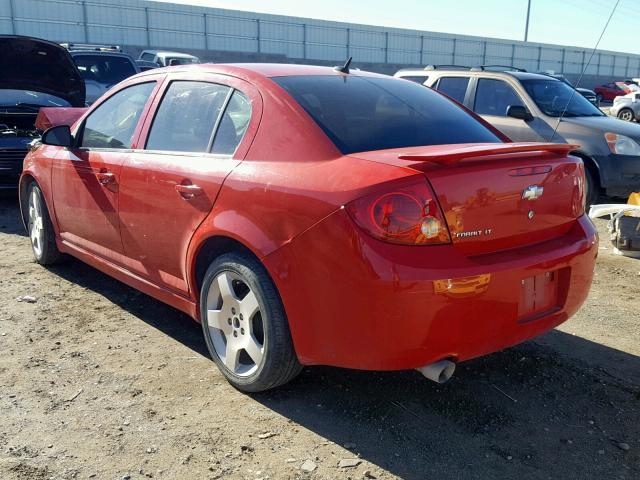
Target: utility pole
[526,27]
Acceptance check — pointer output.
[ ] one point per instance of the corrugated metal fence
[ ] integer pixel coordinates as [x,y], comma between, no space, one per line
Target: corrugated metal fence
[159,25]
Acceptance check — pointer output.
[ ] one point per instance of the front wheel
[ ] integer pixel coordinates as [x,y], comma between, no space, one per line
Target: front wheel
[43,239]
[593,189]
[245,325]
[626,114]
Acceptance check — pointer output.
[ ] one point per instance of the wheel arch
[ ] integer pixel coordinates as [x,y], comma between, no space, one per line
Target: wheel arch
[23,187]
[207,250]
[590,164]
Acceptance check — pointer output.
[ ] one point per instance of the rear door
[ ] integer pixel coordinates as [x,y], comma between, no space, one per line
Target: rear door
[86,179]
[200,130]
[491,99]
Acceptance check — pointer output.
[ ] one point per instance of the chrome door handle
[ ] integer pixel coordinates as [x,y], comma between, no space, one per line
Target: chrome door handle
[188,191]
[105,178]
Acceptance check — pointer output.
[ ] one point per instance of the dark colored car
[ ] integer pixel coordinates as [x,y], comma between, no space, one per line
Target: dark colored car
[101,67]
[34,73]
[609,91]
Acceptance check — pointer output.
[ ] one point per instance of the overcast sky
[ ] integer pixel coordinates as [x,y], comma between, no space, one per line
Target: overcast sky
[565,22]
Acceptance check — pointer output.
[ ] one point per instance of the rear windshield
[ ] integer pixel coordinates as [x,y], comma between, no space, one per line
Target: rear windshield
[361,114]
[104,69]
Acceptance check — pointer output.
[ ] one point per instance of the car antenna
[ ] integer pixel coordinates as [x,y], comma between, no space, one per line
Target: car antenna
[584,69]
[345,67]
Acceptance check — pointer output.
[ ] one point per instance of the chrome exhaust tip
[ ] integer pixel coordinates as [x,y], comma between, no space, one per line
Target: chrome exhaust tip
[439,371]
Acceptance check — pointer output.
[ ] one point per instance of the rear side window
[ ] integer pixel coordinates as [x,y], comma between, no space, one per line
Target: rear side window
[455,87]
[233,125]
[113,123]
[148,57]
[494,96]
[187,116]
[374,113]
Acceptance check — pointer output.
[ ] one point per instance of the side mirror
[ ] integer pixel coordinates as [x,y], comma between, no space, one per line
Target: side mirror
[59,136]
[519,112]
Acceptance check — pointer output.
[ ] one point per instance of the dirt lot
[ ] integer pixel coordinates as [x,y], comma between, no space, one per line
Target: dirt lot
[99,381]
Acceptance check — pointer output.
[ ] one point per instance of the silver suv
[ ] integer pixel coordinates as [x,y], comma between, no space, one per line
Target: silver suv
[528,107]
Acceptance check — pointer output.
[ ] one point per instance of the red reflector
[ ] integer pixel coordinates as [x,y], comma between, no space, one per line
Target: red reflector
[525,171]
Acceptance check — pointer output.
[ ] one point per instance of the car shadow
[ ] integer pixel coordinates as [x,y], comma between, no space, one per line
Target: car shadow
[532,411]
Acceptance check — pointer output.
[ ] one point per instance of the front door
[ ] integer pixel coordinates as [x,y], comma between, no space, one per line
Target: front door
[492,98]
[169,187]
[86,178]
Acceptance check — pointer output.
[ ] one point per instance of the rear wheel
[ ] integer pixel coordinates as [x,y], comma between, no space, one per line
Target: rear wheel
[43,239]
[245,325]
[626,114]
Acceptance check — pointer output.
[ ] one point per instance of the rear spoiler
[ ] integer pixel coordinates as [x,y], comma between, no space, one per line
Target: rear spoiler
[449,156]
[53,116]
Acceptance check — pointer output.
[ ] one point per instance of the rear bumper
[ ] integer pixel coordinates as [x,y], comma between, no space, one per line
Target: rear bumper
[356,302]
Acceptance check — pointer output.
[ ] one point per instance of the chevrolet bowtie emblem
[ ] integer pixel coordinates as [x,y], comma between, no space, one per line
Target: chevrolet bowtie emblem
[532,192]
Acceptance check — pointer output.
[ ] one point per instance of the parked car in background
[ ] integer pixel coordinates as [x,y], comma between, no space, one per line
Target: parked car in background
[101,67]
[168,59]
[34,73]
[609,91]
[527,107]
[144,65]
[585,92]
[309,215]
[627,107]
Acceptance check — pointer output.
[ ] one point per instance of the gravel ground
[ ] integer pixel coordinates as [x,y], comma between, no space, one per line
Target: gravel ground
[100,381]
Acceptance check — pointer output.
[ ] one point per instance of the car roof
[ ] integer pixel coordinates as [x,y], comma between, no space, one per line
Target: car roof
[79,52]
[477,72]
[169,52]
[263,70]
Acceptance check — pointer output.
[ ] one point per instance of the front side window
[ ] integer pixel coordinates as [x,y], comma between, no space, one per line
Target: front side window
[187,116]
[361,114]
[104,69]
[233,124]
[113,123]
[455,87]
[494,96]
[556,98]
[149,57]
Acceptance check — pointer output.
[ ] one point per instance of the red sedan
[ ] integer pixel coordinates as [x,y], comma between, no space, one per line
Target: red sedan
[306,215]
[610,91]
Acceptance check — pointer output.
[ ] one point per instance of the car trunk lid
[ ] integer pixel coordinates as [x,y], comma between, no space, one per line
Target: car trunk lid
[498,196]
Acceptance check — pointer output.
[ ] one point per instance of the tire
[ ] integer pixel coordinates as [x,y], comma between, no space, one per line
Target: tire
[593,189]
[599,98]
[626,114]
[245,325]
[40,228]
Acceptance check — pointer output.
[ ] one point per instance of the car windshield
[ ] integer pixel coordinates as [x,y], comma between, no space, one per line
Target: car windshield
[361,114]
[20,98]
[554,97]
[104,69]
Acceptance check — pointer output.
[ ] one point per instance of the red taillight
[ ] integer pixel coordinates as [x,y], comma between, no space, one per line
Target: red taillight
[579,191]
[408,215]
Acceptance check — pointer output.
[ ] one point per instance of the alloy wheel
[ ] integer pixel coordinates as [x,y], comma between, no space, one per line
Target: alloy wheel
[236,329]
[626,115]
[36,224]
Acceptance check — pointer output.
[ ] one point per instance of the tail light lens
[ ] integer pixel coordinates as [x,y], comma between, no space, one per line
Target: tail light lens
[408,215]
[579,191]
